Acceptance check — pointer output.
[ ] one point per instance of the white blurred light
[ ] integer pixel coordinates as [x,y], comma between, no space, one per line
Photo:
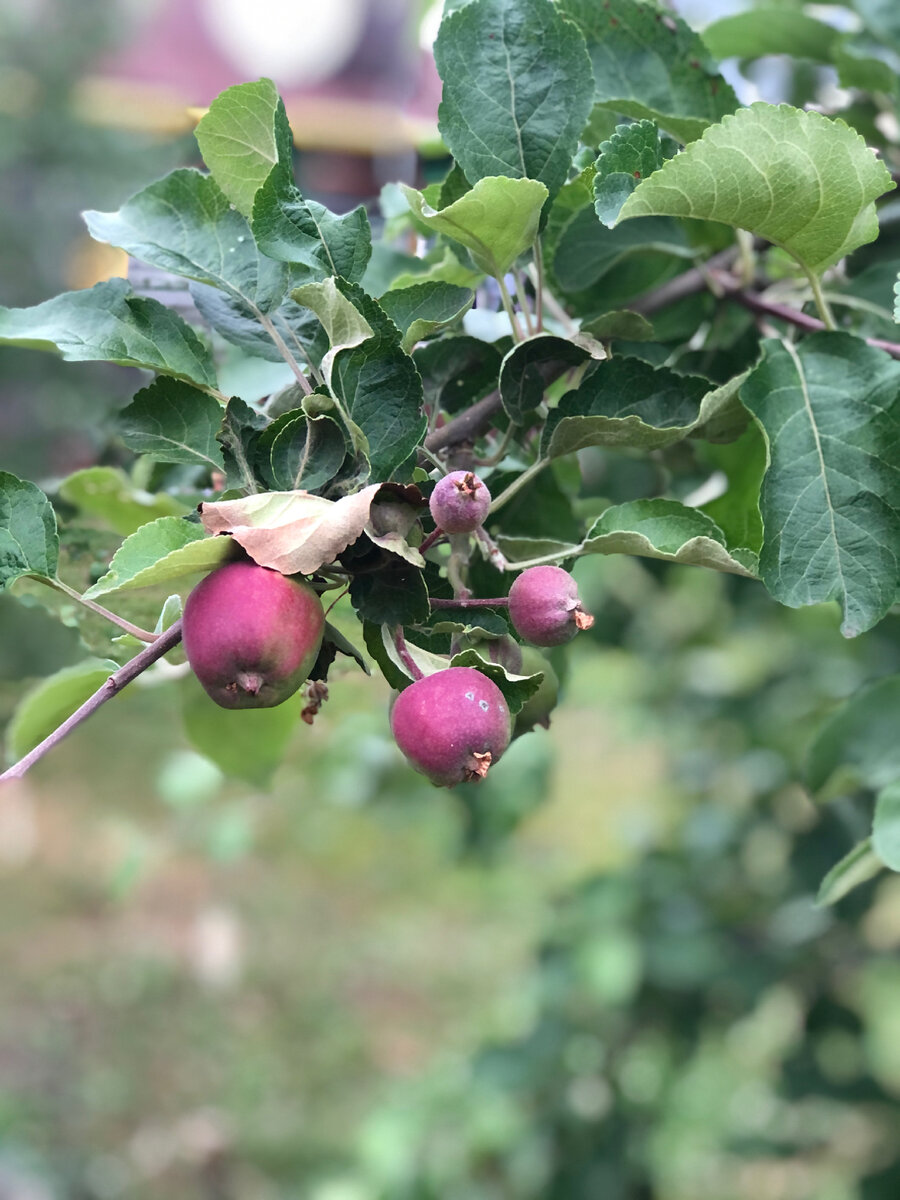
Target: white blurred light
[293,41]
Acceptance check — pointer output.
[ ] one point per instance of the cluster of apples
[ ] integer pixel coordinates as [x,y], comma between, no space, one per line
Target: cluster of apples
[252,637]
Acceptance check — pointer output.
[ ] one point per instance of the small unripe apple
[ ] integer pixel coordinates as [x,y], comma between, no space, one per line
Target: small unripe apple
[460,502]
[452,726]
[545,608]
[252,635]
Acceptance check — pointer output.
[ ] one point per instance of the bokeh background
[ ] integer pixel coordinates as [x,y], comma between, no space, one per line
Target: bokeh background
[599,976]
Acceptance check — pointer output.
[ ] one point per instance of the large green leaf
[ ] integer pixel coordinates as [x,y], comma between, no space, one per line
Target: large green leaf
[170,421]
[44,707]
[650,64]
[422,309]
[375,380]
[858,744]
[736,512]
[664,529]
[109,496]
[308,234]
[496,221]
[237,322]
[517,90]
[587,251]
[106,323]
[247,744]
[771,30]
[239,437]
[184,223]
[799,179]
[28,541]
[630,155]
[242,137]
[163,550]
[295,452]
[626,402]
[830,412]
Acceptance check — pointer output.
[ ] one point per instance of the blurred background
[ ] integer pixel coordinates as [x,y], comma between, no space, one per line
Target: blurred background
[599,976]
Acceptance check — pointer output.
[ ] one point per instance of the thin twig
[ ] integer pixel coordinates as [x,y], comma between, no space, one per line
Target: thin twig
[794,316]
[135,630]
[688,283]
[118,680]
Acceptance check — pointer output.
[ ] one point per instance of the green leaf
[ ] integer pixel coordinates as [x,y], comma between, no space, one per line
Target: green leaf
[771,30]
[396,671]
[886,826]
[239,439]
[859,866]
[830,412]
[456,371]
[627,402]
[424,308]
[109,496]
[650,64]
[447,269]
[736,512]
[531,365]
[170,421]
[185,224]
[380,388]
[858,744]
[342,321]
[799,179]
[159,552]
[516,689]
[309,235]
[496,221]
[295,452]
[342,645]
[587,251]
[106,323]
[395,594]
[44,708]
[619,323]
[247,744]
[242,137]
[866,63]
[663,529]
[517,90]
[28,540]
[631,154]
[237,322]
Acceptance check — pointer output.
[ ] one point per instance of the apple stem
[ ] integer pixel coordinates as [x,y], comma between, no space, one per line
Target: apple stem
[406,658]
[434,536]
[470,602]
